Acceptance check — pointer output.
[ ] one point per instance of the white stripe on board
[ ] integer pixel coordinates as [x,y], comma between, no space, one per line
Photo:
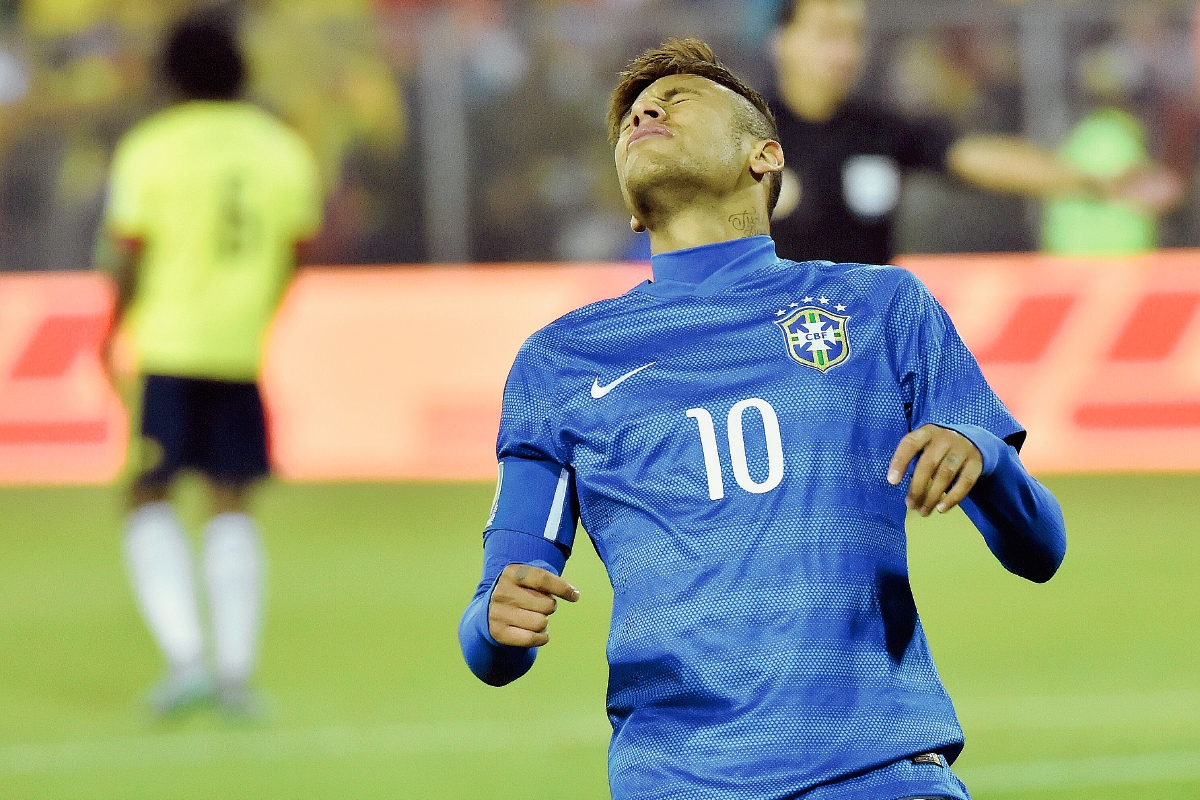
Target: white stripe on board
[267,746]
[556,507]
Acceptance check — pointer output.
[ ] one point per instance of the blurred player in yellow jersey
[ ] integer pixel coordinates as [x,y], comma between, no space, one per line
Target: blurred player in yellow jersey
[208,201]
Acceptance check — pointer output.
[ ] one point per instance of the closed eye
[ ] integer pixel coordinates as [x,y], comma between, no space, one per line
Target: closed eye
[671,97]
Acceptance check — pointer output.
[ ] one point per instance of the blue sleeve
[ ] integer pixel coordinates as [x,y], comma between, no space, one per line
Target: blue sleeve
[535,511]
[493,663]
[532,522]
[939,377]
[1020,519]
[533,517]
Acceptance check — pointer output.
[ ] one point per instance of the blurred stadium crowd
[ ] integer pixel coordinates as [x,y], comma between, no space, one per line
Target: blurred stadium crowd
[473,130]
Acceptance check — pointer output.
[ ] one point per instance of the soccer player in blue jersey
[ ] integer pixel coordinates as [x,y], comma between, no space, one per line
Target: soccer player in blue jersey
[735,437]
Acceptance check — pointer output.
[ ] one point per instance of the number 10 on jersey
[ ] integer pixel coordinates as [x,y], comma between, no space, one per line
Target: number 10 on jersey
[737,447]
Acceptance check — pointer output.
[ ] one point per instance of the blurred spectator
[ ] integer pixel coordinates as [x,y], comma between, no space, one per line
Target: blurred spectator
[79,72]
[1109,143]
[543,169]
[846,158]
[963,72]
[534,182]
[320,66]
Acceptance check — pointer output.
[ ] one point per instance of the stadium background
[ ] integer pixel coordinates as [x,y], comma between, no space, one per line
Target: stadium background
[384,381]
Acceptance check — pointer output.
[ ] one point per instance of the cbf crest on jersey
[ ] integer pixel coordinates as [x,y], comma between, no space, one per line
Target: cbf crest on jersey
[816,338]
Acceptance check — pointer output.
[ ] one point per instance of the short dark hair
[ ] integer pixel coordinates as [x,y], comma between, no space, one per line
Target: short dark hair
[786,13]
[203,60]
[693,57]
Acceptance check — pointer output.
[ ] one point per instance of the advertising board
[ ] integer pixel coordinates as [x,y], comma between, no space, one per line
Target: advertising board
[397,373]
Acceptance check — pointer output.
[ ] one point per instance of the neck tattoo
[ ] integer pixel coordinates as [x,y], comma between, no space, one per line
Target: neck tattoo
[746,223]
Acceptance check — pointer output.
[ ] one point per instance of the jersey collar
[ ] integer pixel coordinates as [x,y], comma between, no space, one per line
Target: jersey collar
[708,269]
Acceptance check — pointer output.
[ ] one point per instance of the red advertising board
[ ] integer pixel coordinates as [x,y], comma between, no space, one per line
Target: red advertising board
[1098,358]
[397,373]
[60,421]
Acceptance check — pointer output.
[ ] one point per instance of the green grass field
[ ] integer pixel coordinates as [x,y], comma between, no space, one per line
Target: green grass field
[1088,687]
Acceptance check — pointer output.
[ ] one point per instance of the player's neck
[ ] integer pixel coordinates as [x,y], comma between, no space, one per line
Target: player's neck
[697,224]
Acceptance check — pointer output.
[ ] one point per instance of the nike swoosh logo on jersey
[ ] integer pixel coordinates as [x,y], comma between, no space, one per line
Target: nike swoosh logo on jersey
[599,391]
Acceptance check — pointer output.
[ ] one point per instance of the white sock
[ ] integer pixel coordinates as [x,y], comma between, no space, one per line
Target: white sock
[234,572]
[160,564]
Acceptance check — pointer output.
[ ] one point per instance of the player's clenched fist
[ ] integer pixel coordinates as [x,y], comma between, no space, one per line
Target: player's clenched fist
[522,602]
[947,470]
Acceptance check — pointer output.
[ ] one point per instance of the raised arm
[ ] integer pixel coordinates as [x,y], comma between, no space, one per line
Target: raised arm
[1017,166]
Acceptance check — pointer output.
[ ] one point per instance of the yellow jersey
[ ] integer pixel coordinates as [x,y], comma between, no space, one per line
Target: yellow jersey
[219,193]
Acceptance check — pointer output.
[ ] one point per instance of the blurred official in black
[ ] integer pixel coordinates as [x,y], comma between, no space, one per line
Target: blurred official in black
[846,158]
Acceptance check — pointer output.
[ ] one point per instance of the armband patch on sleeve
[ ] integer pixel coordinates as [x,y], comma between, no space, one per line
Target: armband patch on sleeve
[537,498]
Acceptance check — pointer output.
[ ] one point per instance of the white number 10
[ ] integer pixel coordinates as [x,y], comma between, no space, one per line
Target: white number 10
[737,448]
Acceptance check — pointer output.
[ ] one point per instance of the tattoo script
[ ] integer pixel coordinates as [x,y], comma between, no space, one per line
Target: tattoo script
[746,223]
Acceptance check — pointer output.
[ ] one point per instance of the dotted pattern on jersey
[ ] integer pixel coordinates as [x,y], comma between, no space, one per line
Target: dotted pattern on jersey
[761,644]
[899,779]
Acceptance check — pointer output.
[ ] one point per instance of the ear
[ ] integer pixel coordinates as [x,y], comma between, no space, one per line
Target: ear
[637,225]
[766,158]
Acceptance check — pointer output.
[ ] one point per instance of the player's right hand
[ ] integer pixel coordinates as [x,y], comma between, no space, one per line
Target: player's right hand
[522,602]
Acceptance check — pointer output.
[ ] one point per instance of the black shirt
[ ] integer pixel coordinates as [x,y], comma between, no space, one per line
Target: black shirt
[850,168]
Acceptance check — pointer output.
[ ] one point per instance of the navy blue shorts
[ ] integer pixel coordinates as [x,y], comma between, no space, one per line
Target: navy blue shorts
[214,427]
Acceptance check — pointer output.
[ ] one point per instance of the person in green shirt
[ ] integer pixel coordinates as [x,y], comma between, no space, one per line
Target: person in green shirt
[208,201]
[1106,144]
[1109,145]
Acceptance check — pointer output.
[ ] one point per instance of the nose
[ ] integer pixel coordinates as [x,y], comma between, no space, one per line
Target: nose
[645,109]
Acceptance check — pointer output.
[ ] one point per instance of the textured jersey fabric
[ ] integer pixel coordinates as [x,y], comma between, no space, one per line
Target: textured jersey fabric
[763,643]
[219,193]
[850,169]
[900,779]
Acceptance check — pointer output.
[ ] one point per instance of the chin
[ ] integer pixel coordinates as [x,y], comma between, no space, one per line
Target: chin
[648,177]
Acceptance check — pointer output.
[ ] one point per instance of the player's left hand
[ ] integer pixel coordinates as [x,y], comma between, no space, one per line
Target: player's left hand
[947,470]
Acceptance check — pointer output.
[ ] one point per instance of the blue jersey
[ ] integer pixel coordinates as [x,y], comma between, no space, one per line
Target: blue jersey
[723,435]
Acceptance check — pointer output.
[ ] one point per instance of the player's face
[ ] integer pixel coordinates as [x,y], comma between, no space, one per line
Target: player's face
[824,45]
[682,129]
